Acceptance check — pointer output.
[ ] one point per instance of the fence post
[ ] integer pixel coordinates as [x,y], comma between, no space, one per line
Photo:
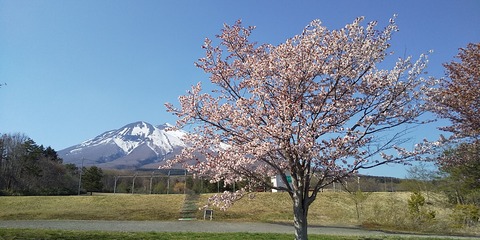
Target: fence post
[133,183]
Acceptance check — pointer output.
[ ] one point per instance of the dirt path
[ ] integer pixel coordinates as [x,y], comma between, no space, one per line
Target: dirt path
[190,226]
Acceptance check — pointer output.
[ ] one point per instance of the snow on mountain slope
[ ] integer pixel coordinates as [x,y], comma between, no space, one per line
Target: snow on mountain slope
[135,145]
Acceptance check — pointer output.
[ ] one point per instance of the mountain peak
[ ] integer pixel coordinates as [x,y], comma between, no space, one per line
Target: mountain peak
[134,145]
[138,129]
[166,125]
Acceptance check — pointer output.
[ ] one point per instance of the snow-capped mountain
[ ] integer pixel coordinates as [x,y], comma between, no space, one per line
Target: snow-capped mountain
[136,145]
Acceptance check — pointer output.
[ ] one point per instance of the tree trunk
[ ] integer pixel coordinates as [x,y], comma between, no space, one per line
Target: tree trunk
[300,212]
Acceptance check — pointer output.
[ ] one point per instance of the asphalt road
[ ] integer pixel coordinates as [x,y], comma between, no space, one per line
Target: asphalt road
[192,226]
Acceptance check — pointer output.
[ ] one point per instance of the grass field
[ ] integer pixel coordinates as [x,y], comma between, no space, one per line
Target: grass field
[386,211]
[102,207]
[85,235]
[329,209]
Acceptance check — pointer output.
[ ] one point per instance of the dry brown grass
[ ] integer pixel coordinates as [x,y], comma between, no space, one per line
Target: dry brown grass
[330,208]
[102,207]
[381,210]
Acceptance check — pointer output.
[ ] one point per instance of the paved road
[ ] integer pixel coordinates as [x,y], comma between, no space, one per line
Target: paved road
[188,226]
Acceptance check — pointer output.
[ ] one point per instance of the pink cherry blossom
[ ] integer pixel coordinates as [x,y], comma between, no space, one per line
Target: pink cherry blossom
[315,107]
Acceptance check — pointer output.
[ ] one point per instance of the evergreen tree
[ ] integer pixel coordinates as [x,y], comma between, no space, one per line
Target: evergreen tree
[92,179]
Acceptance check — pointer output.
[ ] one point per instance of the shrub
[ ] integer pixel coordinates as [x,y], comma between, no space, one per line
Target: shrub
[417,210]
[390,214]
[465,215]
[179,187]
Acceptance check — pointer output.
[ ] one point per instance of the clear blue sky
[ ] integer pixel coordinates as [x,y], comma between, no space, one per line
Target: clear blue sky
[75,69]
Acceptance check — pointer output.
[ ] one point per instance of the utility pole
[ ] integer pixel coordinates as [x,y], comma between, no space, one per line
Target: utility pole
[151,177]
[115,185]
[133,183]
[168,182]
[358,184]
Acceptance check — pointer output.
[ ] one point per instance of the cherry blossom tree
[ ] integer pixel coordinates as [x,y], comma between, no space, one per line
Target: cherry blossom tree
[457,97]
[315,109]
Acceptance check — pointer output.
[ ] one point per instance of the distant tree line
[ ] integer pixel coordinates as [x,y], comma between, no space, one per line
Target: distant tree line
[27,168]
[156,182]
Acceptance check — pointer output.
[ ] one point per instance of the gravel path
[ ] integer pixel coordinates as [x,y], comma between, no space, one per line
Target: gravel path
[189,226]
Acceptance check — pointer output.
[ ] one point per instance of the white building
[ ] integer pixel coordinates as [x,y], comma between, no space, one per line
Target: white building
[277,181]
